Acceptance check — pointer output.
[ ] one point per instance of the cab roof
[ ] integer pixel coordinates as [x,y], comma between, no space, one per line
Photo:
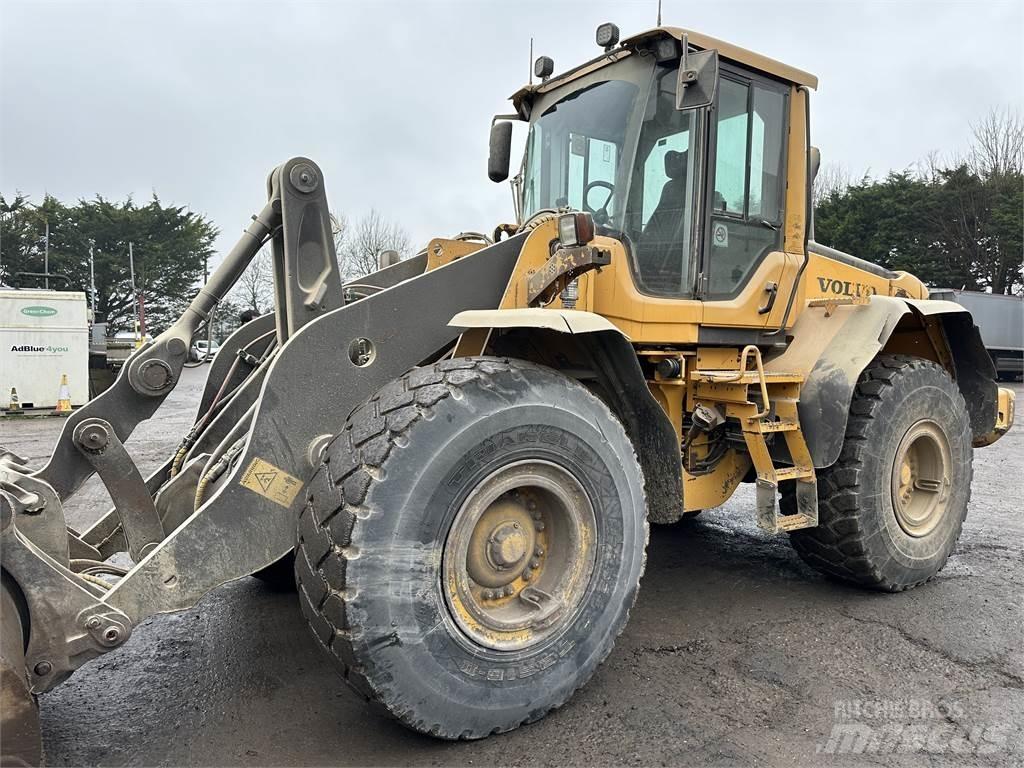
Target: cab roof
[732,52]
[695,39]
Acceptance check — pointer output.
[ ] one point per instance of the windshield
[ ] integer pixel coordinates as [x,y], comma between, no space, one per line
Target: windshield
[617,147]
[576,147]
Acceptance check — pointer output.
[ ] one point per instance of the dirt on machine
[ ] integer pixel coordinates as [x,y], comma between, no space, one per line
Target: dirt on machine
[457,458]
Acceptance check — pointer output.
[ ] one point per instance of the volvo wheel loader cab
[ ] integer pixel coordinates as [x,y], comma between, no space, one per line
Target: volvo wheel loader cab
[463,451]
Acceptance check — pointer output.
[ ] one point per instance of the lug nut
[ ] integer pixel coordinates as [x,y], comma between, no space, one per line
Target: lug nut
[509,591]
[536,515]
[539,525]
[531,505]
[527,575]
[539,551]
[535,563]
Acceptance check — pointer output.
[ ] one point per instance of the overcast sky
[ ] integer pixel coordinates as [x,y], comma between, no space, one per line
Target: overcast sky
[199,100]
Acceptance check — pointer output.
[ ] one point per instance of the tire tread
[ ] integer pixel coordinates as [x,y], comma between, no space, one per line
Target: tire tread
[836,547]
[350,465]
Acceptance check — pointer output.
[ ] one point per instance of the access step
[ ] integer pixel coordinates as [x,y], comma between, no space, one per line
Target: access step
[806,516]
[782,425]
[792,473]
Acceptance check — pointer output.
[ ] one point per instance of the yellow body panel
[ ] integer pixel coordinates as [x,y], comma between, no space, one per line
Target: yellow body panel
[441,250]
[796,173]
[1004,418]
[714,489]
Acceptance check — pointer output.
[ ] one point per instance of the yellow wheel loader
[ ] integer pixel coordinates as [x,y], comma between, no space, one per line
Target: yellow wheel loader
[456,458]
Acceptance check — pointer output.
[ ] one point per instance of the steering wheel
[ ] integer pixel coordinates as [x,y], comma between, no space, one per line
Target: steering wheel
[600,214]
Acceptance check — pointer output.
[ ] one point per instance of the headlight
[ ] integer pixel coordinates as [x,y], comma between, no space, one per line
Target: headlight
[666,50]
[575,229]
[607,35]
[543,67]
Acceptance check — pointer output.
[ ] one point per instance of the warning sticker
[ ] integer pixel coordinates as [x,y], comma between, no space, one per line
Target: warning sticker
[267,480]
[720,235]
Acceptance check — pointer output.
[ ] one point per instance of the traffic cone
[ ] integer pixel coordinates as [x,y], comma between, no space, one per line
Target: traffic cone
[63,397]
[15,406]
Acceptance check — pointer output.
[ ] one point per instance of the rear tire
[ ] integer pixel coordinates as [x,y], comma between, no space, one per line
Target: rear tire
[892,507]
[440,495]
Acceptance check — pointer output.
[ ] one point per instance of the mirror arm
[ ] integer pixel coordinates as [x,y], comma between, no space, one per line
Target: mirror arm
[687,74]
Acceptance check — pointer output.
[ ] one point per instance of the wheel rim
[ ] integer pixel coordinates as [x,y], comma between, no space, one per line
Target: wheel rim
[518,558]
[921,478]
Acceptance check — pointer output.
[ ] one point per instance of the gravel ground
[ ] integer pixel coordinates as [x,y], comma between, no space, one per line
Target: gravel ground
[736,654]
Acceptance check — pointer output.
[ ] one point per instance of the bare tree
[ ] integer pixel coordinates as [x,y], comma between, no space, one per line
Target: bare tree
[255,288]
[832,179]
[930,167]
[998,147]
[339,228]
[359,246]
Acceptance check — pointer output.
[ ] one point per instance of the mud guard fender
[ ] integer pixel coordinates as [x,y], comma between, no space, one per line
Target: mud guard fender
[973,368]
[834,347]
[621,384]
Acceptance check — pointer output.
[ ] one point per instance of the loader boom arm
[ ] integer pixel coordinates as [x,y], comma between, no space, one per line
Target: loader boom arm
[307,285]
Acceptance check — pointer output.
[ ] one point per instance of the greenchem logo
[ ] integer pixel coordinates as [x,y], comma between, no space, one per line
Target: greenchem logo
[39,311]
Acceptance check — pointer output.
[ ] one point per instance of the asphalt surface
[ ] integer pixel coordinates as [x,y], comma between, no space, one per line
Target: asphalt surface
[736,654]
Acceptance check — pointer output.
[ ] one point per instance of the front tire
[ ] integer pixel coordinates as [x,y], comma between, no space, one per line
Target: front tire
[892,507]
[472,544]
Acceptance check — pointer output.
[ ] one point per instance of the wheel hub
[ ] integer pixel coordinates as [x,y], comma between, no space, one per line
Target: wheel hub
[518,557]
[507,545]
[921,478]
[499,543]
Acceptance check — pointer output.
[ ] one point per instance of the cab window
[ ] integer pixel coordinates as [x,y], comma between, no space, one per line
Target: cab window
[591,161]
[574,150]
[746,201]
[660,207]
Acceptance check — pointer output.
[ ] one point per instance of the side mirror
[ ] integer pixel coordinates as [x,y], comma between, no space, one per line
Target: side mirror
[500,153]
[813,166]
[698,79]
[814,163]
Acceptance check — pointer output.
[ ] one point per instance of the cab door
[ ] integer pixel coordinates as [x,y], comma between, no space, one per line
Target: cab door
[743,262]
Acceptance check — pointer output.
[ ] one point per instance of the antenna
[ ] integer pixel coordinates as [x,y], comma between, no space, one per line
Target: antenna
[531,59]
[659,13]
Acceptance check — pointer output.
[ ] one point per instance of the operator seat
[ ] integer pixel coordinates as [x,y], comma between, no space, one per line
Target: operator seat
[660,248]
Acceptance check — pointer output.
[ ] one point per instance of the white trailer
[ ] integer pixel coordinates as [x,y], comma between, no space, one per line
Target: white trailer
[44,335]
[1001,320]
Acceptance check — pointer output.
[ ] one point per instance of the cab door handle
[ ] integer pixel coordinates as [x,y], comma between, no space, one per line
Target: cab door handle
[772,289]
